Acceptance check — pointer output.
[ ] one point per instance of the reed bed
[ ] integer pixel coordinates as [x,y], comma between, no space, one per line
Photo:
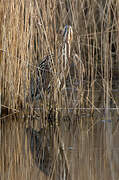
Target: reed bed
[82,146]
[31,30]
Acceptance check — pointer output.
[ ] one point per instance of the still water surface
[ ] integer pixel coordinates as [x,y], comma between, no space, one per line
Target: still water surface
[85,148]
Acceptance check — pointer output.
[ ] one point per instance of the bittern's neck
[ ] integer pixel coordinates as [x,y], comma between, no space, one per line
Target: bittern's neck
[67,49]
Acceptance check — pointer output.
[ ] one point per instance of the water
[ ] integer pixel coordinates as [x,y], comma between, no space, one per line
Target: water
[77,148]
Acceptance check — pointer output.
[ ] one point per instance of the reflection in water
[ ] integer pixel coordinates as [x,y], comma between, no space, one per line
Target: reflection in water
[47,151]
[42,149]
[77,150]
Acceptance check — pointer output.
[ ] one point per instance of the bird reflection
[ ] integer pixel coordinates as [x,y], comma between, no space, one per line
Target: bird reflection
[41,147]
[47,151]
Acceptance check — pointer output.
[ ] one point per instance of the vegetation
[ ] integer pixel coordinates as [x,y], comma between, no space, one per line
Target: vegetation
[29,31]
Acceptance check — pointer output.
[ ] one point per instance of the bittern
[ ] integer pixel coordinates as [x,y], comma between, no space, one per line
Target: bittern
[46,68]
[46,63]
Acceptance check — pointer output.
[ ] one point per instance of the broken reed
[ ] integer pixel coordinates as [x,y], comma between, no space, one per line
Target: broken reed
[31,29]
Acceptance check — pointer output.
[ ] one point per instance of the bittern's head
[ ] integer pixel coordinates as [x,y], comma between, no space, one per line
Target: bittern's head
[68,34]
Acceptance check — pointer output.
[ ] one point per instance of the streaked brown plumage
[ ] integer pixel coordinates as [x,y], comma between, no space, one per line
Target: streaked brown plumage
[47,70]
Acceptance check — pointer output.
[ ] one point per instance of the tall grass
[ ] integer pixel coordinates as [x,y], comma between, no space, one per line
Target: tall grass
[32,29]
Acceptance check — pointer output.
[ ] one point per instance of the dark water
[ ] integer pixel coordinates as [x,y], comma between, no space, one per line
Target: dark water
[83,147]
